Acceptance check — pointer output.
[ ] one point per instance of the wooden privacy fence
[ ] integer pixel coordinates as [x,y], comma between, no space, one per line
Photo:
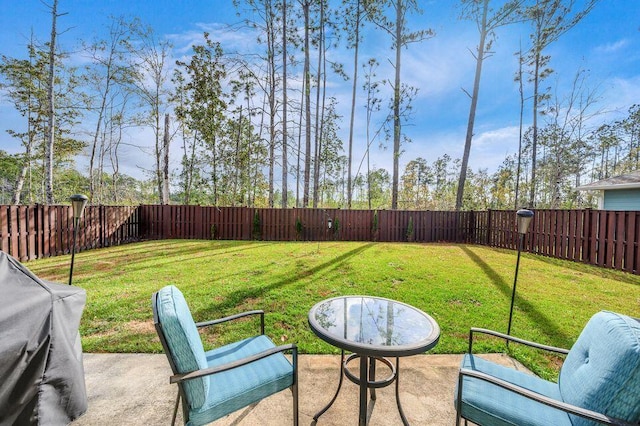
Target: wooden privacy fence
[32,232]
[604,238]
[599,237]
[240,223]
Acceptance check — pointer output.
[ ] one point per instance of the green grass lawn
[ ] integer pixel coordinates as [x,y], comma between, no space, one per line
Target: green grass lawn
[459,285]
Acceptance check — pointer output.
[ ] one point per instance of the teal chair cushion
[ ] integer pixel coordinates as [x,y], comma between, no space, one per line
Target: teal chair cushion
[237,388]
[486,404]
[184,341]
[602,370]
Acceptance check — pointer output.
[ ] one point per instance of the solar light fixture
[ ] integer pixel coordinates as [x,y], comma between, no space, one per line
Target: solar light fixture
[524,220]
[524,217]
[329,223]
[78,203]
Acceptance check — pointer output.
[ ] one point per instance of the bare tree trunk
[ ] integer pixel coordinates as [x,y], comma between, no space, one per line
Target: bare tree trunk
[534,139]
[17,191]
[354,90]
[307,109]
[49,147]
[115,162]
[322,110]
[368,177]
[472,108]
[158,155]
[214,169]
[271,75]
[94,145]
[188,165]
[249,154]
[318,126]
[272,130]
[236,171]
[299,151]
[369,110]
[100,197]
[192,165]
[519,166]
[165,165]
[26,166]
[397,125]
[284,105]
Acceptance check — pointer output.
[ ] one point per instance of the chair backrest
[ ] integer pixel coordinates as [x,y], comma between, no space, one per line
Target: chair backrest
[602,370]
[181,340]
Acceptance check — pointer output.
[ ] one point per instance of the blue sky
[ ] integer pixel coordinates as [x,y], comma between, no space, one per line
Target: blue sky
[606,44]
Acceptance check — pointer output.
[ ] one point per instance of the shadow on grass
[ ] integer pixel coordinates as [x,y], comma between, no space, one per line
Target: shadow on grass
[547,326]
[158,256]
[217,248]
[585,268]
[233,298]
[139,256]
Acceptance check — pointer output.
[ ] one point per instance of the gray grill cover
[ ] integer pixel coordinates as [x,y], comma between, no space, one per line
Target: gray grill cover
[41,372]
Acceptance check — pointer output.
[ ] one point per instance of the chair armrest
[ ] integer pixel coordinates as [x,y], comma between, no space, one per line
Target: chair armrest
[234,317]
[238,363]
[513,339]
[560,405]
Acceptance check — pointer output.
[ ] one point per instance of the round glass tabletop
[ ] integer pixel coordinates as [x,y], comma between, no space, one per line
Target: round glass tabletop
[374,326]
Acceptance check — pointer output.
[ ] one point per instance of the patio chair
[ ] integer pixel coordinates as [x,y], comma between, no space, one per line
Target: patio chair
[215,383]
[599,381]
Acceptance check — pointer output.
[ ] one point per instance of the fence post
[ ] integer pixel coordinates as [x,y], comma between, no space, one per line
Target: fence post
[37,229]
[586,235]
[488,243]
[471,233]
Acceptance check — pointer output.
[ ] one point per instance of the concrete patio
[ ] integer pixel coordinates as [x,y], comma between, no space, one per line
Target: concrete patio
[127,389]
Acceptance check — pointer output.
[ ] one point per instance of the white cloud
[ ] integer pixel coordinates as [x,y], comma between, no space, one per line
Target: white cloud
[621,93]
[488,149]
[502,136]
[440,65]
[232,39]
[612,47]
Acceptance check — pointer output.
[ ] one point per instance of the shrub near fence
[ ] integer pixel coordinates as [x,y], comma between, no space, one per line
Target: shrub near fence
[604,238]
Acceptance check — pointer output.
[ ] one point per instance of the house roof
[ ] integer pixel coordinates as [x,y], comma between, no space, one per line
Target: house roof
[626,181]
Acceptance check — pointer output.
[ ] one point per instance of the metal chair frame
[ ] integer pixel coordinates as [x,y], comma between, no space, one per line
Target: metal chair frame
[180,378]
[560,405]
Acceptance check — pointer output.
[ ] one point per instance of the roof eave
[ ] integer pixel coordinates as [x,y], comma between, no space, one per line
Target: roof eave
[631,185]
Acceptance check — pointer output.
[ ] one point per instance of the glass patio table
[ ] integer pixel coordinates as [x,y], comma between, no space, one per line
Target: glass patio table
[372,328]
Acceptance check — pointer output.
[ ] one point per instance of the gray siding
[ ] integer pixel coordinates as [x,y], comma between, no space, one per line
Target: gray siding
[622,199]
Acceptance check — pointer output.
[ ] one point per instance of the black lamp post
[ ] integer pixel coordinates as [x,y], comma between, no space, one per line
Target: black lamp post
[78,203]
[524,219]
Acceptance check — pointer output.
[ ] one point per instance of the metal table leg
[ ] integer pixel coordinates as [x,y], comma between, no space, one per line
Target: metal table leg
[366,382]
[372,376]
[402,416]
[321,412]
[364,385]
